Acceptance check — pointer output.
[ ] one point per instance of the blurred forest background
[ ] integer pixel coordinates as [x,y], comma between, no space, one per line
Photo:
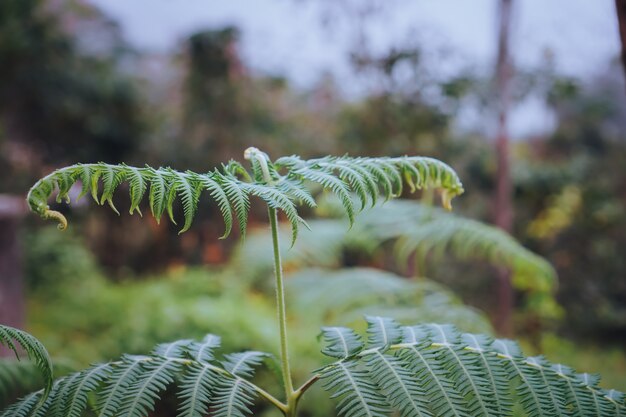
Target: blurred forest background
[73,89]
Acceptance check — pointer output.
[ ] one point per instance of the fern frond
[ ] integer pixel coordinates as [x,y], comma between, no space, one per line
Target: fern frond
[436,370]
[427,230]
[350,293]
[131,386]
[232,185]
[9,336]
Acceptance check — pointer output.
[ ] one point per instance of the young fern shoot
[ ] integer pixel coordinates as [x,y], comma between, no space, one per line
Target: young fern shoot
[428,370]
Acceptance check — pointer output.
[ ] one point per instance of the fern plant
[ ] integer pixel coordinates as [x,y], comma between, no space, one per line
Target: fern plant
[424,370]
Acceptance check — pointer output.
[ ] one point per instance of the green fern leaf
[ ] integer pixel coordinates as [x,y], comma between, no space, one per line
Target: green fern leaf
[390,168]
[341,342]
[203,351]
[59,401]
[358,395]
[220,196]
[233,398]
[550,379]
[296,191]
[334,184]
[617,400]
[494,373]
[468,377]
[423,362]
[277,199]
[403,392]
[381,176]
[383,332]
[435,370]
[576,400]
[196,387]
[599,403]
[177,349]
[84,174]
[121,379]
[138,186]
[88,381]
[23,407]
[238,200]
[43,410]
[189,191]
[171,194]
[532,390]
[159,190]
[358,183]
[64,183]
[112,177]
[242,364]
[34,349]
[143,392]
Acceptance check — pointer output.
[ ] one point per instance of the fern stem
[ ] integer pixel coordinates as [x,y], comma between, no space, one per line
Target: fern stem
[308,384]
[282,313]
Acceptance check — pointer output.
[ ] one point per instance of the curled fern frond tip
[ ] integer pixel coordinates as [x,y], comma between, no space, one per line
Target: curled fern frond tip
[57,216]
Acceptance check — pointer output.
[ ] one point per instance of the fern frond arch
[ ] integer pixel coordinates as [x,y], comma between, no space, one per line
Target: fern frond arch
[281,184]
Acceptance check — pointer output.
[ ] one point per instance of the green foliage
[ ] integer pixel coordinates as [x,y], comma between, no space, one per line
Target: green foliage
[433,370]
[15,340]
[130,386]
[344,296]
[425,370]
[419,233]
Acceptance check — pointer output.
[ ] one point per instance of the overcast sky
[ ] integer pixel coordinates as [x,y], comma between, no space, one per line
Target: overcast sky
[286,37]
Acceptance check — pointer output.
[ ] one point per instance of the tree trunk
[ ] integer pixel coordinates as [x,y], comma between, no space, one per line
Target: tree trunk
[503,210]
[11,288]
[620,7]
